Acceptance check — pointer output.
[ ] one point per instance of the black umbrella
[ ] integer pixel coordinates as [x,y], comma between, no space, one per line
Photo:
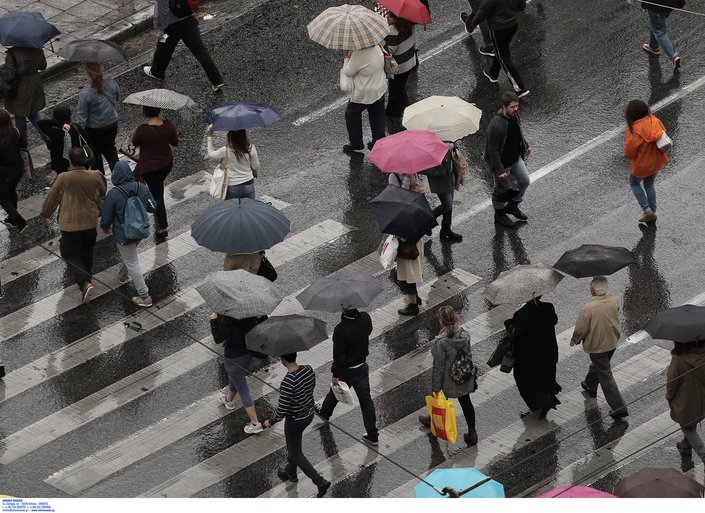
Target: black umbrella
[92,50]
[403,213]
[341,291]
[594,260]
[286,334]
[684,323]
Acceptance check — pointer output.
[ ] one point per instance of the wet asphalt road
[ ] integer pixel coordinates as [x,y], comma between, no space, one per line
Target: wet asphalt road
[578,92]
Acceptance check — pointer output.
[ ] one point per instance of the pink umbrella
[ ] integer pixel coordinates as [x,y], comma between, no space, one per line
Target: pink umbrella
[408,152]
[576,492]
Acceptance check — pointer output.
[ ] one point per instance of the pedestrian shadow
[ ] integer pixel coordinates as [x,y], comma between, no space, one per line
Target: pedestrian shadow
[441,265]
[659,88]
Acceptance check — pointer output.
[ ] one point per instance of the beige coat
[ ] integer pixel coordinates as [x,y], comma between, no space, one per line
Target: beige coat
[366,69]
[250,262]
[78,193]
[685,389]
[598,325]
[410,271]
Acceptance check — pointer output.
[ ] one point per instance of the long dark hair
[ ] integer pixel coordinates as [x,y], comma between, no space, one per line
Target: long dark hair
[635,110]
[238,144]
[6,127]
[401,24]
[688,347]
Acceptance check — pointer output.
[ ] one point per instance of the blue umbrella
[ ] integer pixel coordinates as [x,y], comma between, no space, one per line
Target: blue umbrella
[241,116]
[28,29]
[240,225]
[459,479]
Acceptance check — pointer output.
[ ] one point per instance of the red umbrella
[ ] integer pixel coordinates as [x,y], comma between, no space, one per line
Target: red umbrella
[408,152]
[412,10]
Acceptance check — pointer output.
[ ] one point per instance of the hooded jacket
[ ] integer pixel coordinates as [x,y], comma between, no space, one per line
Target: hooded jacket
[500,14]
[640,146]
[444,350]
[685,390]
[113,211]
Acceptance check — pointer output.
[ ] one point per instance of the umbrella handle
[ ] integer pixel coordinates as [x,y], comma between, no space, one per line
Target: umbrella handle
[451,492]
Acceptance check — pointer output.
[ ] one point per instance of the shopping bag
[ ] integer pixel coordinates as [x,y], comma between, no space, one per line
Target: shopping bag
[219,181]
[342,393]
[345,82]
[130,150]
[442,412]
[388,252]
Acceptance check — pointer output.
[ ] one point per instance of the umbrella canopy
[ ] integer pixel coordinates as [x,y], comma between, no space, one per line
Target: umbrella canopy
[160,98]
[576,492]
[594,260]
[449,117]
[341,291]
[28,29]
[403,213]
[286,334]
[459,479]
[241,225]
[240,294]
[92,50]
[521,284]
[684,323]
[408,152]
[412,10]
[664,483]
[348,27]
[241,115]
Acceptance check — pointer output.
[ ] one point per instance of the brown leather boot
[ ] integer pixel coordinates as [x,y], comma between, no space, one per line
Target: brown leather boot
[470,437]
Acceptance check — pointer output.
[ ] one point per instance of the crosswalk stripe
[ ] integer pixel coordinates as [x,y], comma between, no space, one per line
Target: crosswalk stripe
[503,442]
[125,329]
[93,469]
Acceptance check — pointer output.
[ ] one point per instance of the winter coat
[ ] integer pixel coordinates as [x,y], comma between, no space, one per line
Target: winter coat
[11,163]
[77,192]
[685,393]
[411,271]
[500,14]
[23,65]
[366,69]
[640,146]
[54,131]
[444,350]
[113,212]
[535,345]
[445,183]
[598,325]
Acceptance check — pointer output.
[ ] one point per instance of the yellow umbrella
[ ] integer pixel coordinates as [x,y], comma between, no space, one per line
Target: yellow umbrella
[449,117]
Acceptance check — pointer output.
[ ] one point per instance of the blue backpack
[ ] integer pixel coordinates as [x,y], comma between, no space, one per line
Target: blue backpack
[136,222]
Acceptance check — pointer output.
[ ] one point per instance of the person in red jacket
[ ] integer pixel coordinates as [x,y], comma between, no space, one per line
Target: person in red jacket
[643,131]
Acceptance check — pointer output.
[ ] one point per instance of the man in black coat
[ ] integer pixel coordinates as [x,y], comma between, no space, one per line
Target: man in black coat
[659,11]
[351,341]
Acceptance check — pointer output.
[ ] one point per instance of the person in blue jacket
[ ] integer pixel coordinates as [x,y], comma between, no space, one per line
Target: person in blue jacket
[112,217]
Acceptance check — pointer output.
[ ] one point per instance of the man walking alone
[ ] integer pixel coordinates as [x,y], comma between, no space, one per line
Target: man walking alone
[598,329]
[659,11]
[505,152]
[351,341]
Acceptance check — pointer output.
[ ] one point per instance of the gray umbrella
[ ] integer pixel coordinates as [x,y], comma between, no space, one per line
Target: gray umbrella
[161,99]
[521,284]
[594,260]
[92,50]
[341,291]
[240,294]
[286,334]
[684,323]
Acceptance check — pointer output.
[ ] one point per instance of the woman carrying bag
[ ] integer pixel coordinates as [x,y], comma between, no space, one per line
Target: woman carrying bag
[241,160]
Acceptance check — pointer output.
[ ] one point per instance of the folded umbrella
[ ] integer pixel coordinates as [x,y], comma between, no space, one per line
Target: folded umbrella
[161,99]
[412,10]
[663,483]
[449,117]
[341,291]
[594,260]
[286,334]
[92,50]
[684,323]
[27,29]
[348,27]
[241,225]
[240,294]
[403,213]
[241,115]
[521,284]
[459,480]
[576,492]
[408,152]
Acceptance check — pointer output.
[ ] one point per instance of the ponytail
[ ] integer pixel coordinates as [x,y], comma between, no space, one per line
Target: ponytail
[95,73]
[448,320]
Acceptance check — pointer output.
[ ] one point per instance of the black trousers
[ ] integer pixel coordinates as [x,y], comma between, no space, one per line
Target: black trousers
[358,379]
[102,142]
[155,182]
[294,433]
[503,57]
[77,249]
[484,29]
[186,30]
[8,197]
[468,410]
[353,121]
[398,98]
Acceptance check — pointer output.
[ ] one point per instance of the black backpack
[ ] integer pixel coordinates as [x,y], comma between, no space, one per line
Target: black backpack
[183,8]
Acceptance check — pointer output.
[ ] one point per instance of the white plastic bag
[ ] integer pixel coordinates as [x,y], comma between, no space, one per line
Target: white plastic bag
[388,252]
[664,143]
[342,393]
[346,83]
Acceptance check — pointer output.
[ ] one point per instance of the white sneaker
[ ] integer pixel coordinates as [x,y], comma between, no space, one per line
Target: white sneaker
[148,71]
[217,88]
[252,429]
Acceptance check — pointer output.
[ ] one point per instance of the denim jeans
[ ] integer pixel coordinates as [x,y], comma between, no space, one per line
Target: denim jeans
[21,124]
[648,199]
[692,440]
[235,368]
[131,267]
[353,121]
[358,379]
[77,249]
[294,433]
[600,373]
[658,35]
[241,191]
[519,171]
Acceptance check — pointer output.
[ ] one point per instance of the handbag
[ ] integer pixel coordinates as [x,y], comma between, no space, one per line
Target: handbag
[391,66]
[460,166]
[442,413]
[27,162]
[407,250]
[508,361]
[388,252]
[130,150]
[87,150]
[342,393]
[498,354]
[219,182]
[266,269]
[345,82]
[664,143]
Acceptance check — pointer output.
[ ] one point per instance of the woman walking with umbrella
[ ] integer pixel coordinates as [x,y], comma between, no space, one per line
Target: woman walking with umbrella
[401,43]
[241,160]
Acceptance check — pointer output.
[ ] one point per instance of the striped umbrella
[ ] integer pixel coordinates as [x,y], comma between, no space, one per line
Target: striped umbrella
[348,27]
[160,98]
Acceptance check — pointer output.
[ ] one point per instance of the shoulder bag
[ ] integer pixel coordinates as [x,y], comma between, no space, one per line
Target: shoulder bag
[128,149]
[266,269]
[345,82]
[391,67]
[87,150]
[407,250]
[219,182]
[664,143]
[460,166]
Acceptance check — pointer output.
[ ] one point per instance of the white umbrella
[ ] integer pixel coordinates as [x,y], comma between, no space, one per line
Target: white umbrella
[521,284]
[160,98]
[449,117]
